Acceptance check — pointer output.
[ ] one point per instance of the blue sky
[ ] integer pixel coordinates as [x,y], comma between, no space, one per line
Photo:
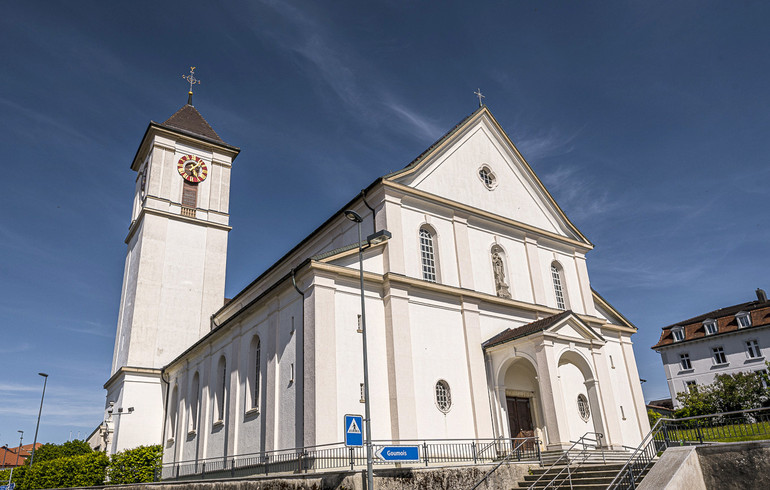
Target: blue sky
[647,121]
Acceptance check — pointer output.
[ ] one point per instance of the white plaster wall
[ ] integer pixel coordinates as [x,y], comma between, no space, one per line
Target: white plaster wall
[630,426]
[349,361]
[572,383]
[516,267]
[454,175]
[443,243]
[438,347]
[144,425]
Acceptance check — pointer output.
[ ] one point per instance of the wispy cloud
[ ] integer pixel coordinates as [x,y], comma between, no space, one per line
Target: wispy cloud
[12,349]
[341,71]
[91,328]
[580,197]
[545,142]
[49,124]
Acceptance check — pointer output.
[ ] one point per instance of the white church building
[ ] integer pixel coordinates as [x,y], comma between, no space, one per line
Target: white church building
[480,315]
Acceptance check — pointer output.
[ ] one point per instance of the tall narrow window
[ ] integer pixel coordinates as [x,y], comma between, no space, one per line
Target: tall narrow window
[691,386]
[189,198]
[684,361]
[557,285]
[194,401]
[222,388]
[173,412]
[752,348]
[255,378]
[719,355]
[428,256]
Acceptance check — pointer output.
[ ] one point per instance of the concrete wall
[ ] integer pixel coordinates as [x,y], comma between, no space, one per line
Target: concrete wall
[735,465]
[447,478]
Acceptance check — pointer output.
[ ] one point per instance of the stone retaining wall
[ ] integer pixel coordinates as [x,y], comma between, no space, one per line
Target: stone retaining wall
[444,478]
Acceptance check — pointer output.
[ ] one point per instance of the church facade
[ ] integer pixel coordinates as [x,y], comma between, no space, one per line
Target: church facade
[480,316]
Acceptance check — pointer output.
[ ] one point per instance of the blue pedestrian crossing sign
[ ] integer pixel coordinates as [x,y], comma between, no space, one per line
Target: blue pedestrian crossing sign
[354,436]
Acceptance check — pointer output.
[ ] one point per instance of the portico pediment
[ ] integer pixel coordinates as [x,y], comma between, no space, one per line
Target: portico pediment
[573,329]
[565,326]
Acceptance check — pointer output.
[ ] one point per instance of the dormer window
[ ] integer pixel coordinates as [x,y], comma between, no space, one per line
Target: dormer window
[678,333]
[710,326]
[743,318]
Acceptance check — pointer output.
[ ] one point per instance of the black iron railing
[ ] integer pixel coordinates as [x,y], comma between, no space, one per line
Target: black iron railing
[568,462]
[742,425]
[337,456]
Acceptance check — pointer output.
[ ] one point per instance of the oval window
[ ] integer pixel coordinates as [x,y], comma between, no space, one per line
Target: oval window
[583,410]
[443,396]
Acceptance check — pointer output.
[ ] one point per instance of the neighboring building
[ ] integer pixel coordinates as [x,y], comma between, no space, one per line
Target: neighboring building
[481,319]
[665,407]
[11,457]
[729,340]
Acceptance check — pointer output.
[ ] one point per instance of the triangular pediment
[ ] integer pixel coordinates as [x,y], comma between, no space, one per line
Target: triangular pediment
[572,327]
[451,169]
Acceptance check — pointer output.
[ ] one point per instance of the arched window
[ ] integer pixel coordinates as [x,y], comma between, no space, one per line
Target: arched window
[428,255]
[443,396]
[558,289]
[173,412]
[221,393]
[255,376]
[194,401]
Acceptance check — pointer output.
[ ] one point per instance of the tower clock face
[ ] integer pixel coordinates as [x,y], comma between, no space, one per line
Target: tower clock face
[192,168]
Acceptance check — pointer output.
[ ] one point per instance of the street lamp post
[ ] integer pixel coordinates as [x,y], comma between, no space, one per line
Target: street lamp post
[18,451]
[373,239]
[34,442]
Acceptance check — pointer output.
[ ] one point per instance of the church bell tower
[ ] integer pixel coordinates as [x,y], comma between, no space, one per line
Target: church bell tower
[174,275]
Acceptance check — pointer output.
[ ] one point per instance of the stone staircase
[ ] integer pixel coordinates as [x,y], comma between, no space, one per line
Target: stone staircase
[589,470]
[588,476]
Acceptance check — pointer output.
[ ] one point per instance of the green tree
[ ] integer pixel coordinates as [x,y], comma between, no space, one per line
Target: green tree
[653,416]
[48,452]
[72,471]
[728,393]
[136,465]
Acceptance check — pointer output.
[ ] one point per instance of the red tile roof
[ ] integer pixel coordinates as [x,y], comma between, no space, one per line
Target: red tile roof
[726,322]
[189,119]
[516,333]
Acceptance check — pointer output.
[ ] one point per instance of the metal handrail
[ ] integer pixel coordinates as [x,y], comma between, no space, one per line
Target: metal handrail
[507,459]
[645,453]
[337,455]
[581,440]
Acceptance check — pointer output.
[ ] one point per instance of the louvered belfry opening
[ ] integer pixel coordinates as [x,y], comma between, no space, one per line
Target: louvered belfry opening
[189,199]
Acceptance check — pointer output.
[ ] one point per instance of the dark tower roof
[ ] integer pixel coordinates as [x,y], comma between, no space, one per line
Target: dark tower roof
[189,120]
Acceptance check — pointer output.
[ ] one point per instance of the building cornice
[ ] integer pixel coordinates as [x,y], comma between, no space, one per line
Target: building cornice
[480,213]
[135,224]
[131,370]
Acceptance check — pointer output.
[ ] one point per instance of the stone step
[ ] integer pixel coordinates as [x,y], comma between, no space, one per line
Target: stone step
[585,481]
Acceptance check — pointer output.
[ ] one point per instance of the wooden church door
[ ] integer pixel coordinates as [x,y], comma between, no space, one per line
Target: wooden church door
[520,417]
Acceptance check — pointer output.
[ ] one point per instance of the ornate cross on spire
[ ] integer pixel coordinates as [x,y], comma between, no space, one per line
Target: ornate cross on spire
[480,96]
[191,78]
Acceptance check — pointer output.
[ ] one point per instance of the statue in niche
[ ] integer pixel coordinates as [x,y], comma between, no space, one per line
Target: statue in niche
[497,266]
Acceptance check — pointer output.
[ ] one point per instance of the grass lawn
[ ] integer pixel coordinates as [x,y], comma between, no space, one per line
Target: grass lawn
[723,433]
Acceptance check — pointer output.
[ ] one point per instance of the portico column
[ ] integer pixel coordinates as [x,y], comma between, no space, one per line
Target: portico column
[554,412]
[606,399]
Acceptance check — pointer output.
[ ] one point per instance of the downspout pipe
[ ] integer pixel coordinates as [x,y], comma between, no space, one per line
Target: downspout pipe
[163,378]
[363,198]
[302,354]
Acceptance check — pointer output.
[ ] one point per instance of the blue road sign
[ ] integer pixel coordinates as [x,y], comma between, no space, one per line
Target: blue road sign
[399,453]
[354,436]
